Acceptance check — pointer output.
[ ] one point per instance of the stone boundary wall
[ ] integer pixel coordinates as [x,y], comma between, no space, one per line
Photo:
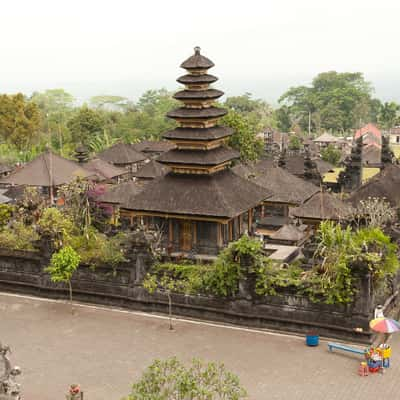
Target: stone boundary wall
[22,272]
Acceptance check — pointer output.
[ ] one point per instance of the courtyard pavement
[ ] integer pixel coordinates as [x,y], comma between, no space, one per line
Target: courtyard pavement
[105,350]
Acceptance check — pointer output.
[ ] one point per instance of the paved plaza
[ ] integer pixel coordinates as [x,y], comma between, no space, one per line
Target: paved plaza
[105,350]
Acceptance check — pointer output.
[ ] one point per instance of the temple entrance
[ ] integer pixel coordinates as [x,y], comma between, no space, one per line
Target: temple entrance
[186,236]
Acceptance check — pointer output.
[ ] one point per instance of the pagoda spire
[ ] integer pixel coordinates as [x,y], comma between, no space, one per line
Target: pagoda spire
[200,142]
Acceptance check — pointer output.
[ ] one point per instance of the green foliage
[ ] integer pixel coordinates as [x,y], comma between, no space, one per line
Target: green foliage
[6,212]
[271,277]
[56,225]
[63,264]
[85,125]
[389,115]
[337,101]
[340,253]
[95,248]
[18,236]
[244,137]
[219,279]
[331,154]
[294,143]
[19,121]
[171,380]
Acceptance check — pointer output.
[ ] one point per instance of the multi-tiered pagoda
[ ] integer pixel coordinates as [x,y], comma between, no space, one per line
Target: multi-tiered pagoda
[201,204]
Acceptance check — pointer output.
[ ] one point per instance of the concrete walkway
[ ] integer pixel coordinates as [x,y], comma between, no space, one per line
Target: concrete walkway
[105,350]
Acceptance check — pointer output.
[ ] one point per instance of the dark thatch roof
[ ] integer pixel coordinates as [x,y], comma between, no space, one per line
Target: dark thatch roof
[216,132]
[197,79]
[151,170]
[121,154]
[289,232]
[295,164]
[103,169]
[385,184]
[223,194]
[323,166]
[121,194]
[198,94]
[195,157]
[48,169]
[323,206]
[194,113]
[150,146]
[197,61]
[285,187]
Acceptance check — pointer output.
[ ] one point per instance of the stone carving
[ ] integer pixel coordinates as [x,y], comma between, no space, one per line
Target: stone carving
[9,387]
[74,393]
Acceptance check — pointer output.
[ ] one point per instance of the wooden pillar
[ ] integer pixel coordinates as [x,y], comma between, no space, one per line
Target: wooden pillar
[170,232]
[194,228]
[219,234]
[262,211]
[131,220]
[250,220]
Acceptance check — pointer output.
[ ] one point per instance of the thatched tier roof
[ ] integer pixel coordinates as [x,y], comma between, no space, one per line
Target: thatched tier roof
[201,134]
[222,194]
[208,94]
[386,185]
[323,206]
[103,169]
[289,232]
[285,187]
[150,146]
[326,138]
[121,194]
[197,79]
[215,156]
[121,154]
[48,169]
[197,113]
[151,170]
[197,61]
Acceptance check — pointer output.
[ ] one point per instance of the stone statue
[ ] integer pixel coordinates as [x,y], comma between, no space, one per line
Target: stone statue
[9,388]
[75,393]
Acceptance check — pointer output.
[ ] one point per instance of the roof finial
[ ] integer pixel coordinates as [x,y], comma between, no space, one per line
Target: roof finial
[197,50]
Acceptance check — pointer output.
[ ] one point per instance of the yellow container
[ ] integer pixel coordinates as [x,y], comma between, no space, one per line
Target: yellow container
[385,352]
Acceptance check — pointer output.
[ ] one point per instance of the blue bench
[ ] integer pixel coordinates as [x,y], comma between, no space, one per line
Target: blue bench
[343,347]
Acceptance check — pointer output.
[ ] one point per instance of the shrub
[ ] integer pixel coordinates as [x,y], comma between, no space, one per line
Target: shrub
[18,237]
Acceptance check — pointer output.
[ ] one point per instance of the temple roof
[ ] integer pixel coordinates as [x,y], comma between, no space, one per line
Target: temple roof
[197,113]
[122,154]
[385,184]
[285,187]
[323,206]
[103,169]
[205,134]
[150,146]
[289,232]
[197,79]
[223,194]
[121,194]
[197,61]
[326,138]
[48,169]
[198,94]
[215,156]
[151,170]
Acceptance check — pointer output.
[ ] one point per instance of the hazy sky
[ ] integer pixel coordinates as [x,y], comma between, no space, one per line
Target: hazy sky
[124,47]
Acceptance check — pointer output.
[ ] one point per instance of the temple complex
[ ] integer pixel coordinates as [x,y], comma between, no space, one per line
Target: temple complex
[200,204]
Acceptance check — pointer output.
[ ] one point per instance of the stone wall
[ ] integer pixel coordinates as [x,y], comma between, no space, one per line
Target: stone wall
[23,272]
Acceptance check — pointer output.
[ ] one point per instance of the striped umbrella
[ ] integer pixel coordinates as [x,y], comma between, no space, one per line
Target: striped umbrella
[384,325]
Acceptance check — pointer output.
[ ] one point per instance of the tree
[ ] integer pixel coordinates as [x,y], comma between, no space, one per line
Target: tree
[167,285]
[244,137]
[258,113]
[389,115]
[331,154]
[282,115]
[19,121]
[294,143]
[335,101]
[56,106]
[62,266]
[85,125]
[171,380]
